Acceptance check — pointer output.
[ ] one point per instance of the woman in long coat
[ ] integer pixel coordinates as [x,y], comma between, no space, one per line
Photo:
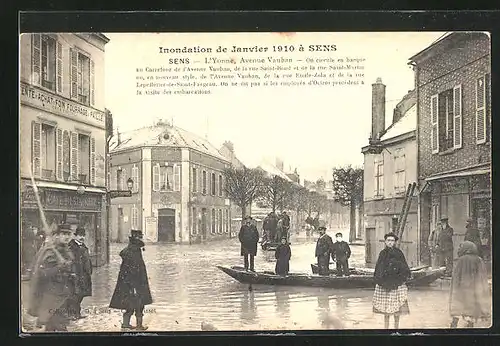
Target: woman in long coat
[283,254]
[132,291]
[470,296]
[391,274]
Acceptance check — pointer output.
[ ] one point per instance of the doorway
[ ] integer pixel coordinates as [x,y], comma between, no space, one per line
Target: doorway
[166,225]
[119,235]
[204,223]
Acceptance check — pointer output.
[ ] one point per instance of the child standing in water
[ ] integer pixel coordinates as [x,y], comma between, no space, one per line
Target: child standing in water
[283,254]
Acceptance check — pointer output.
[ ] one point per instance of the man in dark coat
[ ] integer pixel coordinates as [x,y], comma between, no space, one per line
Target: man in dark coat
[324,249]
[265,228]
[83,271]
[286,221]
[283,254]
[249,237]
[472,234]
[52,282]
[132,291]
[341,253]
[445,245]
[273,226]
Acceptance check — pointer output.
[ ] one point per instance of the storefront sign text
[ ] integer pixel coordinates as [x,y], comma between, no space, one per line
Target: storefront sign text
[59,200]
[28,198]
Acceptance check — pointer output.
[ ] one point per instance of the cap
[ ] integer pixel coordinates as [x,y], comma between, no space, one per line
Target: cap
[136,233]
[80,231]
[444,218]
[391,234]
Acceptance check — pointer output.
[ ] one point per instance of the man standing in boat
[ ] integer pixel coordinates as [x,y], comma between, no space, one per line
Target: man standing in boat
[324,249]
[341,253]
[249,237]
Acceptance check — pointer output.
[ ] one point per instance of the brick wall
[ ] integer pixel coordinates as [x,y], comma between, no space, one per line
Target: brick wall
[462,62]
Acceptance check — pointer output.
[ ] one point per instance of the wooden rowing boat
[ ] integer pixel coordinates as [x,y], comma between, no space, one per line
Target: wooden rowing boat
[359,271]
[358,280]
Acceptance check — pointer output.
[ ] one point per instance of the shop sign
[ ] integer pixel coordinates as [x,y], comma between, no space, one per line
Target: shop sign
[458,185]
[28,198]
[70,200]
[151,231]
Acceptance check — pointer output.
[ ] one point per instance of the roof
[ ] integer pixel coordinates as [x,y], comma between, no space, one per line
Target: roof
[407,123]
[273,170]
[164,136]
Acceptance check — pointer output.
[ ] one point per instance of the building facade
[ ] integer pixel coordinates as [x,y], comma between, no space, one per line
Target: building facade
[389,166]
[452,78]
[178,192]
[62,132]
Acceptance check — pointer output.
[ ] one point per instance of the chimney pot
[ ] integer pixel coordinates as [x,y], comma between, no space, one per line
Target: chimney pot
[379,80]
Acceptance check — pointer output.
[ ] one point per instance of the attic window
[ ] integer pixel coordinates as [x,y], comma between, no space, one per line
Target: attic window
[205,146]
[166,136]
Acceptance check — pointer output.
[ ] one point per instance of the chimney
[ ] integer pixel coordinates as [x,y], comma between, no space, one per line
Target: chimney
[229,145]
[279,164]
[118,140]
[378,109]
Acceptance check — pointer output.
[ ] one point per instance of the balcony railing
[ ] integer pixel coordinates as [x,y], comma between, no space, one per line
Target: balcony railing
[47,174]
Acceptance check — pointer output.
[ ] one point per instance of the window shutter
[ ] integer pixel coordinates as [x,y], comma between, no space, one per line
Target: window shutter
[74,156]
[434,124]
[66,149]
[200,177]
[74,73]
[375,177]
[156,178]
[124,179]
[457,117]
[36,148]
[480,110]
[59,154]
[177,177]
[59,67]
[92,161]
[92,80]
[381,173]
[36,57]
[135,178]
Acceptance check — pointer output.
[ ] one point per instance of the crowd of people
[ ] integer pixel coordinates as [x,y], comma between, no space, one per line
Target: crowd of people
[276,226]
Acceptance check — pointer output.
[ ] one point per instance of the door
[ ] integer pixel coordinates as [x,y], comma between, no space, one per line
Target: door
[204,223]
[166,225]
[370,244]
[88,222]
[119,235]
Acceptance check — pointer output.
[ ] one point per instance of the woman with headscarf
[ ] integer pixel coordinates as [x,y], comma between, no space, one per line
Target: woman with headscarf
[391,274]
[470,296]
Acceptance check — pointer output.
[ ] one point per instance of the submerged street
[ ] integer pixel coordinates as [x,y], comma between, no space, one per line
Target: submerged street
[188,289]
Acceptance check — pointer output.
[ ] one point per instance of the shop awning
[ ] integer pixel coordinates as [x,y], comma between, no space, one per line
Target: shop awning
[53,185]
[458,174]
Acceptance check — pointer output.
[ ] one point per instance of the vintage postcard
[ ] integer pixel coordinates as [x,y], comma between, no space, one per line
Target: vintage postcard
[254,181]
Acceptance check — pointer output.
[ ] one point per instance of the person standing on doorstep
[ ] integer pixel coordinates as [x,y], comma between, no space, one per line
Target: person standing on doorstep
[470,296]
[472,234]
[283,254]
[432,244]
[391,274]
[83,271]
[132,291]
[324,248]
[52,283]
[249,237]
[445,245]
[341,254]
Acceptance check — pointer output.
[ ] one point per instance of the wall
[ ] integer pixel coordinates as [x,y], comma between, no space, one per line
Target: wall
[462,64]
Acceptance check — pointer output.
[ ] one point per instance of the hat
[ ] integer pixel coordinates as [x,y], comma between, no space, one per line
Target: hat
[338,234]
[391,234]
[444,218]
[321,228]
[136,233]
[80,231]
[63,228]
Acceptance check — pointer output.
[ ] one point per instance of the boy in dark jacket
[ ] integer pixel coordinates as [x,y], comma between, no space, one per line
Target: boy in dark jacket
[341,253]
[283,254]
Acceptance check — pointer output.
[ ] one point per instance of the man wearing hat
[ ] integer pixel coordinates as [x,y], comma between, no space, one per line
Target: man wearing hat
[52,281]
[249,237]
[324,249]
[132,291]
[444,245]
[340,254]
[83,271]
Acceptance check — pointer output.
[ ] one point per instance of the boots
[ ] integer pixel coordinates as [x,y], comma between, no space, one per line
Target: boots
[454,322]
[126,322]
[139,324]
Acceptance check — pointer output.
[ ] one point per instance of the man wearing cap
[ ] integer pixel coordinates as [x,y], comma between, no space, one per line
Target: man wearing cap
[83,271]
[249,237]
[445,245]
[52,281]
[132,291]
[341,253]
[324,248]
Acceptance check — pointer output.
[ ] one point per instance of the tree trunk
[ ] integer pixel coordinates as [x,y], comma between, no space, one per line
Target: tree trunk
[352,222]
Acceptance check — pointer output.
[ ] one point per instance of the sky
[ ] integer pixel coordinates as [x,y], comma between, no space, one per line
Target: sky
[313,129]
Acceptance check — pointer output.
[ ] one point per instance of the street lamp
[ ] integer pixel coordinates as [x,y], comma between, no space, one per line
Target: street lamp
[130,184]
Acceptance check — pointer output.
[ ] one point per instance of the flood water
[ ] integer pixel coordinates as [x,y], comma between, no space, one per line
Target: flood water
[188,289]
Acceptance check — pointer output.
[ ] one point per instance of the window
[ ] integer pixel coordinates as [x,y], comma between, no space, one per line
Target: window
[135,178]
[194,222]
[213,183]
[82,77]
[204,182]
[156,177]
[84,158]
[221,189]
[194,180]
[177,177]
[166,178]
[482,108]
[379,177]
[220,222]
[135,217]
[48,155]
[47,62]
[66,164]
[213,221]
[399,172]
[446,119]
[226,222]
[119,179]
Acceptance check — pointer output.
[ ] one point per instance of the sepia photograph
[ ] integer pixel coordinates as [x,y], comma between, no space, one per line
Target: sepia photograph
[269,181]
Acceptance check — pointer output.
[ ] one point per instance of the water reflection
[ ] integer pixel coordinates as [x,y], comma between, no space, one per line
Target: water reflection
[248,312]
[282,302]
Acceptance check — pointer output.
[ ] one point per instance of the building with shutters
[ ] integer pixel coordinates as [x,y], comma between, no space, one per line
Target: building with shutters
[390,164]
[62,133]
[178,193]
[452,80]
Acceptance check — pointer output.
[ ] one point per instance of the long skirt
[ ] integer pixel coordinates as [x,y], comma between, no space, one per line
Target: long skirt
[391,302]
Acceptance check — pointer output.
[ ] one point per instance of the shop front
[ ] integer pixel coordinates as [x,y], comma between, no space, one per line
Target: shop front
[68,205]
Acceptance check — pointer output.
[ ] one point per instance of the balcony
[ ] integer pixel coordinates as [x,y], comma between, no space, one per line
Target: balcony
[47,174]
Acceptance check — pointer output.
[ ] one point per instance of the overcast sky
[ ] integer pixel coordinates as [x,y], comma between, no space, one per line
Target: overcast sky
[311,128]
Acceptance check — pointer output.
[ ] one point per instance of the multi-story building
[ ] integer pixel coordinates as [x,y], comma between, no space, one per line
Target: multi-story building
[389,166]
[62,133]
[178,191]
[452,78]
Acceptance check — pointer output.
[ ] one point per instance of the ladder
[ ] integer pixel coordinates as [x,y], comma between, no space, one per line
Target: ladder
[405,209]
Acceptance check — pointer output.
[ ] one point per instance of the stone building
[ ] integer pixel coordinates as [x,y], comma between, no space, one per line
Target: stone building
[389,166]
[62,133]
[452,78]
[178,194]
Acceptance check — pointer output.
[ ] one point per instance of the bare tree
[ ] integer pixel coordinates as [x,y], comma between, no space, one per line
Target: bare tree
[243,185]
[348,190]
[276,192]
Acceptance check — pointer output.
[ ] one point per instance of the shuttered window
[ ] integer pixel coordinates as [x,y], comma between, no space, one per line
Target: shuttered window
[36,148]
[92,161]
[75,145]
[213,222]
[221,187]
[82,77]
[434,124]
[156,177]
[194,179]
[47,62]
[194,222]
[135,178]
[457,117]
[220,222]
[379,177]
[204,182]
[59,154]
[177,177]
[226,222]
[66,160]
[480,110]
